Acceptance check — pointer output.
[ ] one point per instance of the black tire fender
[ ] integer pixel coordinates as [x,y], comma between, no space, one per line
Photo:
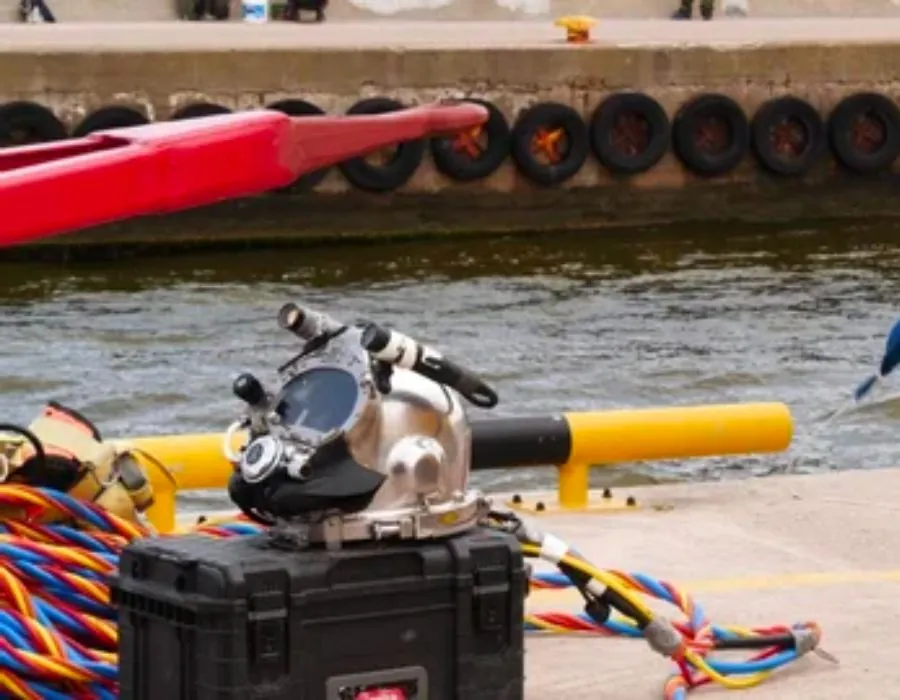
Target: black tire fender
[711,134]
[475,153]
[111,117]
[554,121]
[301,108]
[630,133]
[370,177]
[788,136]
[199,109]
[24,122]
[864,132]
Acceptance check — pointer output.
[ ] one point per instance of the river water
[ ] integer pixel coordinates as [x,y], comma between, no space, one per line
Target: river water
[639,318]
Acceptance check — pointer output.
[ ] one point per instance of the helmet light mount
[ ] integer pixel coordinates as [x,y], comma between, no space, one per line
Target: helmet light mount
[365,438]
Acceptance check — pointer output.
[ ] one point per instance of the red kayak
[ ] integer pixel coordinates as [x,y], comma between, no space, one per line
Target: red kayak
[55,188]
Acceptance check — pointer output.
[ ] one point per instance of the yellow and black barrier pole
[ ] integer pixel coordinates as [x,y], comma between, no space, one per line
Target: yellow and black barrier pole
[572,442]
[576,442]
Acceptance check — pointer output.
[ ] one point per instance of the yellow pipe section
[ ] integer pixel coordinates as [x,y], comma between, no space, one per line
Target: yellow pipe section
[640,435]
[186,462]
[633,435]
[176,463]
[191,461]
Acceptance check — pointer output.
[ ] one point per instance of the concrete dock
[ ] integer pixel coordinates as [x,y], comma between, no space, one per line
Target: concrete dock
[754,552]
[412,35]
[465,10]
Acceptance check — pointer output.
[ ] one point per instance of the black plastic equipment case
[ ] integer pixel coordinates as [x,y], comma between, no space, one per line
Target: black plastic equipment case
[203,618]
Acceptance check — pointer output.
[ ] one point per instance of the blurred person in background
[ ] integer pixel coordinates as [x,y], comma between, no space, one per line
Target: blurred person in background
[732,8]
[197,10]
[686,9]
[295,7]
[35,11]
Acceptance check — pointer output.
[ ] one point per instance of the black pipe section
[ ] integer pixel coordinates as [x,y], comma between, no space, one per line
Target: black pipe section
[784,641]
[534,441]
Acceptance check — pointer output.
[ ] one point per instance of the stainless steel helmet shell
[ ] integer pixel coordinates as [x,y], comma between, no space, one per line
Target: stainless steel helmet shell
[409,430]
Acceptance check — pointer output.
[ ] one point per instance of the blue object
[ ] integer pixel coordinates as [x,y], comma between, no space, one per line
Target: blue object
[889,362]
[864,388]
[254,11]
[891,351]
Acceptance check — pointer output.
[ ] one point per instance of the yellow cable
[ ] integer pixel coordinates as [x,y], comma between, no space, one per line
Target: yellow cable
[624,589]
[739,683]
[546,626]
[609,580]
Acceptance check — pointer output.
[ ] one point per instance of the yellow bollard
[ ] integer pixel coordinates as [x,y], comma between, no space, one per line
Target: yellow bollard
[576,441]
[573,478]
[640,435]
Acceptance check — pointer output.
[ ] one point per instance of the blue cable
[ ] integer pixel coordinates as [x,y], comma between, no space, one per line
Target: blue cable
[656,588]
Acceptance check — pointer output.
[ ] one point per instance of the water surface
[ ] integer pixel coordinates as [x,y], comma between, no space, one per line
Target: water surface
[578,322]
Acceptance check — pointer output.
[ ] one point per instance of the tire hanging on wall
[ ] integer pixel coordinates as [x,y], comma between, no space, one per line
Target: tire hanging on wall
[864,132]
[788,136]
[711,134]
[630,133]
[399,168]
[112,117]
[199,109]
[475,153]
[549,143]
[23,122]
[300,108]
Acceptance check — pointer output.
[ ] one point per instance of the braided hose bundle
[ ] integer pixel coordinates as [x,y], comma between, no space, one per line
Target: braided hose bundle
[58,637]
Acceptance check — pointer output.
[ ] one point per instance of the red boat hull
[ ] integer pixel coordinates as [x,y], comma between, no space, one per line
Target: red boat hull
[55,188]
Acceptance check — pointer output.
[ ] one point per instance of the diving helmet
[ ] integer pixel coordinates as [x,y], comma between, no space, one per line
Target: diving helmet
[366,438]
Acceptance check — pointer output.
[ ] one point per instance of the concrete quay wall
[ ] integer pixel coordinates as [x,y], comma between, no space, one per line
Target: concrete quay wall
[161,67]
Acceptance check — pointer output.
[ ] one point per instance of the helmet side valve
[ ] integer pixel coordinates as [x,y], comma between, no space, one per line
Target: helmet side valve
[250,390]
